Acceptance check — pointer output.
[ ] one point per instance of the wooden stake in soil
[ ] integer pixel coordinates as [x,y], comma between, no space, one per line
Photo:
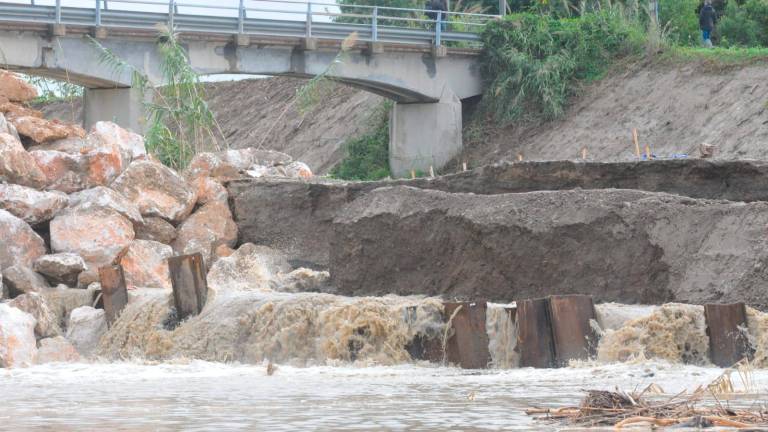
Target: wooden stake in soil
[413,174]
[648,152]
[519,157]
[431,172]
[636,140]
[584,153]
[464,166]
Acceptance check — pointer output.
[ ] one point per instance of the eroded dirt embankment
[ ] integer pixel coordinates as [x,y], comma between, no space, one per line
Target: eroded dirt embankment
[675,108]
[296,217]
[617,245]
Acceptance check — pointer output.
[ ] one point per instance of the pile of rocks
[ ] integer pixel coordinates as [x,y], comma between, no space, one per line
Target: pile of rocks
[73,201]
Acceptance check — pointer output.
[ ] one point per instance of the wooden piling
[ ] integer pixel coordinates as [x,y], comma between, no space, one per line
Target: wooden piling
[190,288]
[534,334]
[114,294]
[728,344]
[468,345]
[572,334]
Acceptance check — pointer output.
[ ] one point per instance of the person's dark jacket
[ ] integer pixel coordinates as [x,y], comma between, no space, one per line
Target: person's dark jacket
[435,5]
[707,18]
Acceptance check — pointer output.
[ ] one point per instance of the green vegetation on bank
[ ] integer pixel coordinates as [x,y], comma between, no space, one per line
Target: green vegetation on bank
[534,61]
[721,56]
[743,23]
[530,62]
[368,155]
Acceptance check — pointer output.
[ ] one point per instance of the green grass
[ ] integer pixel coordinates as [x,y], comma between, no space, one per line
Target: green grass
[717,55]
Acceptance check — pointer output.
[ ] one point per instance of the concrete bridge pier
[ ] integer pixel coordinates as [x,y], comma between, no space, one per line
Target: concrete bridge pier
[424,135]
[123,106]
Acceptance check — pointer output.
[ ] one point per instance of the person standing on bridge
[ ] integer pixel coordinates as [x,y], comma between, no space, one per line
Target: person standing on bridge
[433,6]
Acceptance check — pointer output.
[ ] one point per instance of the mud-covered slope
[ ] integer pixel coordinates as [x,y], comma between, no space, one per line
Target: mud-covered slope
[675,108]
[617,245]
[264,112]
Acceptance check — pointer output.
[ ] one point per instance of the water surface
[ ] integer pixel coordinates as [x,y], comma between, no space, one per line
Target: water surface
[197,396]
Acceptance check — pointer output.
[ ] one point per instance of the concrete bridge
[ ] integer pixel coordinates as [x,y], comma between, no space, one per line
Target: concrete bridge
[411,66]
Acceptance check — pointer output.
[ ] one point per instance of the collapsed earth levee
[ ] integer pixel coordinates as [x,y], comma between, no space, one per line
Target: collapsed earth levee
[617,245]
[297,216]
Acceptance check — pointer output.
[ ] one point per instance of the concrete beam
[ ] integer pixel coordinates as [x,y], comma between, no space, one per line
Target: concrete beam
[403,76]
[424,135]
[242,40]
[123,106]
[100,32]
[59,30]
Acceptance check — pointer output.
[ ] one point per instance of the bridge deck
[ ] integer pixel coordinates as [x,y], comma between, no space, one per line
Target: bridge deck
[391,26]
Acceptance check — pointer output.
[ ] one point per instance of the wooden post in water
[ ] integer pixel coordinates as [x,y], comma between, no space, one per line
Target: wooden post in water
[555,330]
[190,288]
[728,343]
[113,291]
[534,334]
[468,346]
[573,336]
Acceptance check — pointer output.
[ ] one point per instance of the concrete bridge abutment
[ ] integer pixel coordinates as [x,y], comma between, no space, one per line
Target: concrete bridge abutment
[124,106]
[424,135]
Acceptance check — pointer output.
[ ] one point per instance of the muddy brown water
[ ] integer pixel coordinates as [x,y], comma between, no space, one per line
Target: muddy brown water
[202,396]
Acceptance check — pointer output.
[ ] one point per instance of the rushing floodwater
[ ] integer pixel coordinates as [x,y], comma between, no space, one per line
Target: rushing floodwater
[200,396]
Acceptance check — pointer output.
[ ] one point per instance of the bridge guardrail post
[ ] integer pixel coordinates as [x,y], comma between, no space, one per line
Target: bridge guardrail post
[97,21]
[58,29]
[309,20]
[438,28]
[241,39]
[241,17]
[171,9]
[375,25]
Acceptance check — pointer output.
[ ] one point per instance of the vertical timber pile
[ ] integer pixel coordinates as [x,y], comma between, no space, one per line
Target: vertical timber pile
[573,335]
[113,291]
[555,330]
[190,287]
[726,324]
[468,346]
[534,334]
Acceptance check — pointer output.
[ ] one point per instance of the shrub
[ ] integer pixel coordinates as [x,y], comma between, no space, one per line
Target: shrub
[745,25]
[368,155]
[531,62]
[680,19]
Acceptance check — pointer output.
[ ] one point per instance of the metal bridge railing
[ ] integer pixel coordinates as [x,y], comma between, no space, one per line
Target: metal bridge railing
[316,20]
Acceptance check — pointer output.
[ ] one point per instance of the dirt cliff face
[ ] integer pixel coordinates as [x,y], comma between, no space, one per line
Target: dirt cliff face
[617,245]
[674,107]
[296,216]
